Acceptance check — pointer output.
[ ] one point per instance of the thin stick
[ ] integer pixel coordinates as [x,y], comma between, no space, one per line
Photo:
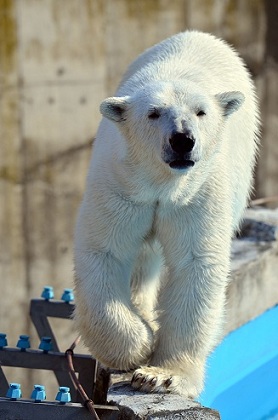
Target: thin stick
[87,402]
[264,200]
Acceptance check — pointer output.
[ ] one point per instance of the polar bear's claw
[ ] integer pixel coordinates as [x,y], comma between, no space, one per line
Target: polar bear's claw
[163,381]
[168,382]
[151,380]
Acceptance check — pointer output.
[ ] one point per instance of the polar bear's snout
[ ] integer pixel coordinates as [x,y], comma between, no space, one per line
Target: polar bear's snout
[179,153]
[182,143]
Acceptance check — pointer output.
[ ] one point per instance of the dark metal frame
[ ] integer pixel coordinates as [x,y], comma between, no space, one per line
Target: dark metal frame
[26,410]
[54,361]
[94,379]
[86,366]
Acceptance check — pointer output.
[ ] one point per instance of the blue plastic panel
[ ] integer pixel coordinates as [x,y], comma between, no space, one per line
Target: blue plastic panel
[242,374]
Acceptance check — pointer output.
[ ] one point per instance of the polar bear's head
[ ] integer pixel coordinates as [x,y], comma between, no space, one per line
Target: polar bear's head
[176,123]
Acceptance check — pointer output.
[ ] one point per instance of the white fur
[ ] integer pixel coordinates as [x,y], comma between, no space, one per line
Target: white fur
[152,243]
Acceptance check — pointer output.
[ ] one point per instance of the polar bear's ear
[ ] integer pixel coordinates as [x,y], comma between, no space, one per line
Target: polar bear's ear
[230,101]
[114,108]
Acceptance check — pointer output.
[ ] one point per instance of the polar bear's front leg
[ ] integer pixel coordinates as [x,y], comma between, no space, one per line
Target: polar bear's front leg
[108,322]
[190,305]
[190,319]
[109,235]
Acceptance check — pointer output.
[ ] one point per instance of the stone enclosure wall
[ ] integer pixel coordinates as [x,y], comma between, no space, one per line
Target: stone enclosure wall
[58,60]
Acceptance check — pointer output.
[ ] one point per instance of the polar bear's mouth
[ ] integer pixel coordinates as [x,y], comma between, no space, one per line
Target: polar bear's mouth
[181,164]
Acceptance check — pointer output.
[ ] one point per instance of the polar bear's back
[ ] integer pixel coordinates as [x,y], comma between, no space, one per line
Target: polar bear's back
[191,55]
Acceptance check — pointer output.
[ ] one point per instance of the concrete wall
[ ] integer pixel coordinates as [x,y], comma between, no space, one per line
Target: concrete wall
[58,60]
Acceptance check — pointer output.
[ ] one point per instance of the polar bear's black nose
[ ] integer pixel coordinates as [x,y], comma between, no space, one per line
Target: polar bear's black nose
[182,143]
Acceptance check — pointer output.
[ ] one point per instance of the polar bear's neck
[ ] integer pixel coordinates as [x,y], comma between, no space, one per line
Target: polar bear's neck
[148,187]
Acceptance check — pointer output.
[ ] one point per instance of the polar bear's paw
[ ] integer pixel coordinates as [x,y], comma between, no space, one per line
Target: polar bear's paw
[155,379]
[151,379]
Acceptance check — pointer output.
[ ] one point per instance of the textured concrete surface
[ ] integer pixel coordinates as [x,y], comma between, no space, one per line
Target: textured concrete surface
[136,405]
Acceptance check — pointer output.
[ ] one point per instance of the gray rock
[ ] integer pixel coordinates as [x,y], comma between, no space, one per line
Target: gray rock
[139,405]
[253,286]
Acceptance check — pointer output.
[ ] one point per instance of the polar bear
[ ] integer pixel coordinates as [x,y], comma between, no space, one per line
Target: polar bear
[168,182]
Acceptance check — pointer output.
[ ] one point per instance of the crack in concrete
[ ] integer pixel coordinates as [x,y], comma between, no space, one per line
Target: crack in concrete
[28,173]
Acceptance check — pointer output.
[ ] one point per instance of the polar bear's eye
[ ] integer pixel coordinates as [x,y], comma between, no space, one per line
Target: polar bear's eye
[200,113]
[154,114]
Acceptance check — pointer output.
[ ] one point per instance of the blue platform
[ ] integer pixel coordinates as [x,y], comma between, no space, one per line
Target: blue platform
[242,374]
